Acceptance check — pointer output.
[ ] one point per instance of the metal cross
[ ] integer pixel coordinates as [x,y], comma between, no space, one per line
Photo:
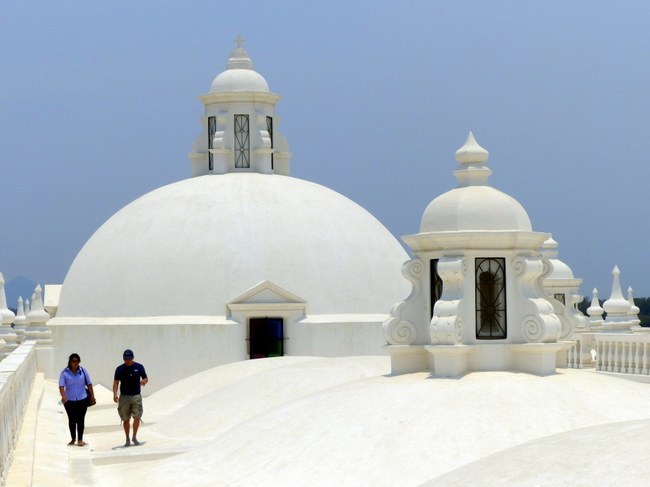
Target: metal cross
[239,40]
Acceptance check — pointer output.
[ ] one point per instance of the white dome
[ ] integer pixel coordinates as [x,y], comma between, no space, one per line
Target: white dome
[191,247]
[560,270]
[240,75]
[239,80]
[474,208]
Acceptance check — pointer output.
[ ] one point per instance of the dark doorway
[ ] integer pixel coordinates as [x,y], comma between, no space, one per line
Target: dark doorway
[266,337]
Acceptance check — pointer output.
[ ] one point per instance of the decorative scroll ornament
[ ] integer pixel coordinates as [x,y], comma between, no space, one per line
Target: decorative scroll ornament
[446,328]
[398,330]
[400,333]
[446,331]
[533,329]
[541,324]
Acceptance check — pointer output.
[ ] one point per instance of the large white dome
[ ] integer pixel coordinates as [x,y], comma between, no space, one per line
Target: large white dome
[190,247]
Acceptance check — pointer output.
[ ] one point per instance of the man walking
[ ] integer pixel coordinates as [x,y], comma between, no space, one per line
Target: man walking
[130,376]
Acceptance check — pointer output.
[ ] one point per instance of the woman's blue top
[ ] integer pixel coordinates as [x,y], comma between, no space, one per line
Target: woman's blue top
[74,384]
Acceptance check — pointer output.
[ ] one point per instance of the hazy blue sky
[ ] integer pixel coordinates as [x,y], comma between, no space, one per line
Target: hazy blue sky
[98,105]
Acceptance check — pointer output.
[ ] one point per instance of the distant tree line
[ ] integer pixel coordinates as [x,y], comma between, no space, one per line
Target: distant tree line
[642,303]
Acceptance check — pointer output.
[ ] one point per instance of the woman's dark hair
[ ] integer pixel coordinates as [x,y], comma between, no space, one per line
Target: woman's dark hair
[73,356]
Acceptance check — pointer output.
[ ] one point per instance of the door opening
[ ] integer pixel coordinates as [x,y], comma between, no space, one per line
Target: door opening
[266,337]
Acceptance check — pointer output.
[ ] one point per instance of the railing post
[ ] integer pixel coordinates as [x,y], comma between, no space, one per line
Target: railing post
[610,368]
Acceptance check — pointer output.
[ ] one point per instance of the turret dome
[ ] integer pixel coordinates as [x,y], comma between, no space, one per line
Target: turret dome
[240,75]
[474,206]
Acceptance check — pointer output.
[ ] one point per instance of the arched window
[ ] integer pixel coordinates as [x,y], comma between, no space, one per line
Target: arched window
[491,323]
[212,129]
[435,284]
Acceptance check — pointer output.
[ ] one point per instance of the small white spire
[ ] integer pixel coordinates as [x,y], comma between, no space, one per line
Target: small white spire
[617,307]
[37,314]
[634,309]
[471,157]
[549,248]
[595,311]
[20,312]
[550,243]
[6,315]
[472,152]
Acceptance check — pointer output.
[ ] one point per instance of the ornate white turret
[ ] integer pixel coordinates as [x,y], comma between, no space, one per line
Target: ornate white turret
[595,312]
[475,247]
[617,307]
[240,129]
[37,319]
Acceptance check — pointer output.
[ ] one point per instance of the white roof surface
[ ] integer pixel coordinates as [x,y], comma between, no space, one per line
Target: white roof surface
[345,421]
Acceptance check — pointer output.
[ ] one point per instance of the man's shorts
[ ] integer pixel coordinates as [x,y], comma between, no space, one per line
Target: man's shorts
[130,407]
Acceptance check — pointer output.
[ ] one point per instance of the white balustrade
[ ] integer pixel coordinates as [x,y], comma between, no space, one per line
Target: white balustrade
[623,353]
[17,372]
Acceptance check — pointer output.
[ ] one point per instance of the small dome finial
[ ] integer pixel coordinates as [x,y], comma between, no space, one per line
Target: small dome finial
[472,152]
[472,171]
[239,40]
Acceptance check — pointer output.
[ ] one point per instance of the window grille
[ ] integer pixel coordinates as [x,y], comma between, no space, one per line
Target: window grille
[491,323]
[435,283]
[212,129]
[269,128]
[242,142]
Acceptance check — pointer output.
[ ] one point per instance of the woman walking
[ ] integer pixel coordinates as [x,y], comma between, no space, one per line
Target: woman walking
[73,382]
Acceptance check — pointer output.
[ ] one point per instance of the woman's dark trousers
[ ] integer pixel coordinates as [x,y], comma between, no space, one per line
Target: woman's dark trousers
[76,415]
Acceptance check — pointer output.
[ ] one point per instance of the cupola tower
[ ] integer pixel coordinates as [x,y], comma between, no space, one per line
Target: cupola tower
[240,129]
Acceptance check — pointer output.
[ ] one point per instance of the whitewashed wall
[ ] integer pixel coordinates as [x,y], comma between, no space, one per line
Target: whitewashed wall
[168,352]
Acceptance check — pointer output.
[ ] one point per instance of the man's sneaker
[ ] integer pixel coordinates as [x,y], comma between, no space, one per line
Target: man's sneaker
[135,441]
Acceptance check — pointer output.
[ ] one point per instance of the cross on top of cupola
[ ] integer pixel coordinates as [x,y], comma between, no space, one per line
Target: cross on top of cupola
[239,57]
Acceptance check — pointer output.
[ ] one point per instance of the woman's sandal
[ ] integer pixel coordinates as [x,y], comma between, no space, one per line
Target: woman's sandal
[81,443]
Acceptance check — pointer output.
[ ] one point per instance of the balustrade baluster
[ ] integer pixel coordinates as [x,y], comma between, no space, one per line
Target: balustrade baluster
[600,351]
[622,356]
[610,367]
[579,354]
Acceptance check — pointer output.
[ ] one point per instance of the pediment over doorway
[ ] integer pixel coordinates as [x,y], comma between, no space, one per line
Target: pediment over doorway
[267,295]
